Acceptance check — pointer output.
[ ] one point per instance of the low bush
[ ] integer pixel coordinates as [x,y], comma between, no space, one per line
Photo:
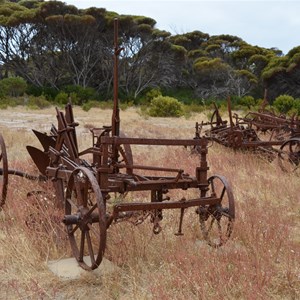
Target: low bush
[164,106]
[79,94]
[296,107]
[5,102]
[61,98]
[90,104]
[13,86]
[193,108]
[247,101]
[48,92]
[153,93]
[284,103]
[38,102]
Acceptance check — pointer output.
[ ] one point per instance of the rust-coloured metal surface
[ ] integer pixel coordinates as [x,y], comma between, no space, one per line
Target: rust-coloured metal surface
[83,189]
[262,131]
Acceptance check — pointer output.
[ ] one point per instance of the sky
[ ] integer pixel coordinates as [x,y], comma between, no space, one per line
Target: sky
[269,24]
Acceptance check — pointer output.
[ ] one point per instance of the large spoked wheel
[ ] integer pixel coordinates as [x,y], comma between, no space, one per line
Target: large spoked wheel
[85,218]
[3,172]
[216,221]
[289,155]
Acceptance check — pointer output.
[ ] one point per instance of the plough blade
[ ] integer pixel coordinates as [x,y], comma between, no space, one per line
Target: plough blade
[45,140]
[40,158]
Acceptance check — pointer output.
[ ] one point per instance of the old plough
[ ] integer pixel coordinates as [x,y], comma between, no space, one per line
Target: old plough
[262,132]
[84,189]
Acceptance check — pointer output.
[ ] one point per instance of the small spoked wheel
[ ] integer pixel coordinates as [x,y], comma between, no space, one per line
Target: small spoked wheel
[216,221]
[3,172]
[289,155]
[85,218]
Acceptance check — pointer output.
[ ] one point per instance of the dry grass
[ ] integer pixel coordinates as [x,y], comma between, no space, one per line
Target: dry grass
[261,261]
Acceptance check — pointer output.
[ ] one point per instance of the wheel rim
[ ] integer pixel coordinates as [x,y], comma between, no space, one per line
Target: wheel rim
[3,172]
[216,221]
[289,155]
[85,218]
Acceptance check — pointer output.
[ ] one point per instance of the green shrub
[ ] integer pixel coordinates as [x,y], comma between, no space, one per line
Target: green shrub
[3,106]
[248,101]
[13,86]
[12,101]
[48,92]
[194,108]
[164,106]
[74,98]
[80,94]
[90,104]
[61,98]
[184,95]
[296,107]
[153,93]
[284,103]
[38,102]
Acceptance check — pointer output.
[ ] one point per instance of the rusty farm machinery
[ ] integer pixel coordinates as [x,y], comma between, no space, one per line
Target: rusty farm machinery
[263,132]
[83,188]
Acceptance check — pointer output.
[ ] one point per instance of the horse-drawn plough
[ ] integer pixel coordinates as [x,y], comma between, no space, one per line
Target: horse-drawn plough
[263,132]
[83,188]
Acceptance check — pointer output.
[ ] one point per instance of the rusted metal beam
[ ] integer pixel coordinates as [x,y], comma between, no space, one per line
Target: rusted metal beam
[149,141]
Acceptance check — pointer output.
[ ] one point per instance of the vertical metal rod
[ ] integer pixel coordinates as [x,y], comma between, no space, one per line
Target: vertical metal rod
[116,111]
[229,111]
[115,128]
[180,222]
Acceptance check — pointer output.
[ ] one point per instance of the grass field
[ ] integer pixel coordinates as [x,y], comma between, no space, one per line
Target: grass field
[260,261]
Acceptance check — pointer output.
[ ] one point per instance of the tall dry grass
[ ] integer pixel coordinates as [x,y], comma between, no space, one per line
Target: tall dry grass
[260,261]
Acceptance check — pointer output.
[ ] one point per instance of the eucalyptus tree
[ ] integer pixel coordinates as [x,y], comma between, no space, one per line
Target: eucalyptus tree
[212,76]
[79,40]
[223,46]
[27,46]
[148,59]
[223,49]
[191,45]
[282,75]
[16,32]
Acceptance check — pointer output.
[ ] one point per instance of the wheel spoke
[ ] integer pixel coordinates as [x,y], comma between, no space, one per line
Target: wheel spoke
[81,252]
[211,224]
[223,192]
[90,247]
[73,230]
[225,214]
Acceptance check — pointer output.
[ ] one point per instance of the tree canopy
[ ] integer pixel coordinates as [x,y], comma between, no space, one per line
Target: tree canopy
[52,44]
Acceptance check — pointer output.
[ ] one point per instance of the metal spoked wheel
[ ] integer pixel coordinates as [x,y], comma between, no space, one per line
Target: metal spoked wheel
[85,218]
[289,155]
[216,221]
[3,172]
